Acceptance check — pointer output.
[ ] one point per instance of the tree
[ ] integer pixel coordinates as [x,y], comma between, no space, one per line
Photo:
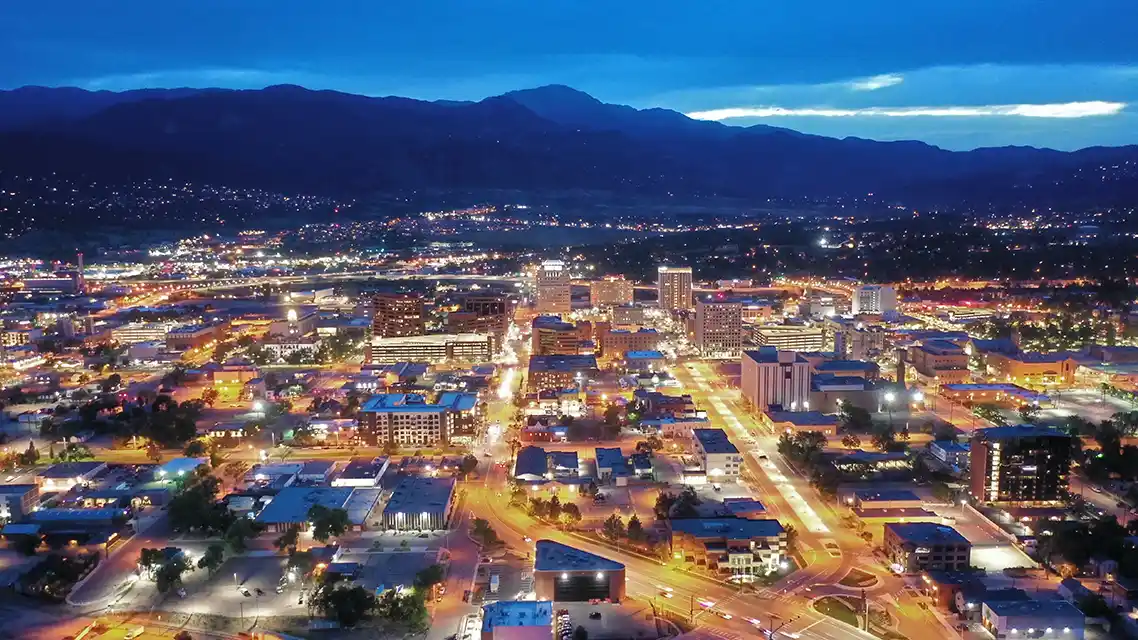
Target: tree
[944,431]
[209,396]
[883,437]
[570,514]
[553,508]
[170,573]
[580,633]
[183,635]
[26,544]
[213,558]
[327,523]
[469,464]
[149,560]
[482,530]
[429,577]
[1029,413]
[113,382]
[613,528]
[30,456]
[612,415]
[851,441]
[154,452]
[240,532]
[195,449]
[591,489]
[517,496]
[904,434]
[635,529]
[76,453]
[791,539]
[346,605]
[852,418]
[288,539]
[538,508]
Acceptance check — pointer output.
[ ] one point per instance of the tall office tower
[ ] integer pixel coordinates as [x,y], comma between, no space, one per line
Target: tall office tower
[719,328]
[612,291]
[874,299]
[394,315]
[1019,465]
[489,313]
[673,288]
[553,290]
[552,336]
[775,377]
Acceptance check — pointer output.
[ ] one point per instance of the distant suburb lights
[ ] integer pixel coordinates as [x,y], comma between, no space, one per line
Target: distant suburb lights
[1056,110]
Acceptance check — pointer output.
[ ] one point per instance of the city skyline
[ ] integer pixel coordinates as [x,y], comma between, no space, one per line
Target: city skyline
[959,76]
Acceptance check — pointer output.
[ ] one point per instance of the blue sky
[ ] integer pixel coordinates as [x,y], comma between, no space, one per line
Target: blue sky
[959,74]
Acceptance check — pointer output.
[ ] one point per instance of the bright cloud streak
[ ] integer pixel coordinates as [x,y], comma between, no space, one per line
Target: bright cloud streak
[877,82]
[1057,110]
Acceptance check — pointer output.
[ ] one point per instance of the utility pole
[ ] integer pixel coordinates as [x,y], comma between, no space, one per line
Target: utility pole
[865,610]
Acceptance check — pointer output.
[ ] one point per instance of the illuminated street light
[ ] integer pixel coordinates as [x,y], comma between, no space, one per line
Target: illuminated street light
[890,397]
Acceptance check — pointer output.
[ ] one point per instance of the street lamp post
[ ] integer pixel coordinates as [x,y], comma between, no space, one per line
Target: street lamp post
[889,398]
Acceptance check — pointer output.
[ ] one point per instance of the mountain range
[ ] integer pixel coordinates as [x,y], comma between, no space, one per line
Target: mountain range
[293,139]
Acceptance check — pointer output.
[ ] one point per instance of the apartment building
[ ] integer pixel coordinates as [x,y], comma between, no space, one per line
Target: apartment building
[554,291]
[674,288]
[923,546]
[730,546]
[612,291]
[395,315]
[719,328]
[720,457]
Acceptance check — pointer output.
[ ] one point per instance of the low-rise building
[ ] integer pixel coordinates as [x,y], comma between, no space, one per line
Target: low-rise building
[564,574]
[650,361]
[1044,619]
[408,419]
[730,546]
[420,503]
[463,347]
[517,620]
[920,546]
[362,472]
[719,456]
[951,452]
[560,372]
[17,500]
[63,476]
[799,422]
[1031,368]
[940,361]
[616,343]
[611,465]
[788,337]
[290,507]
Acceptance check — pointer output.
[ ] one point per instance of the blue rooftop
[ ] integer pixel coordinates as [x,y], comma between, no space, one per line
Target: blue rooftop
[643,355]
[714,441]
[517,613]
[399,403]
[1019,431]
[926,533]
[802,418]
[456,401]
[531,461]
[885,496]
[609,457]
[730,528]
[846,365]
[554,556]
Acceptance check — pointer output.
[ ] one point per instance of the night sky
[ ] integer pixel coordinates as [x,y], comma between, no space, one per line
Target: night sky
[960,73]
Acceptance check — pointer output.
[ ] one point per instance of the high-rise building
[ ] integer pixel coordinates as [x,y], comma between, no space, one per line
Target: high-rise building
[673,288]
[553,288]
[394,315]
[612,291]
[1020,465]
[719,328]
[552,336]
[874,299]
[773,377]
[489,313]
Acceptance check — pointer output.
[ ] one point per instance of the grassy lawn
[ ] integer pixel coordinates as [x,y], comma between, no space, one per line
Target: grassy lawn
[857,578]
[837,610]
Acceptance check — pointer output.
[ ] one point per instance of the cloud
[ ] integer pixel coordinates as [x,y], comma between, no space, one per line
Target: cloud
[1055,110]
[874,83]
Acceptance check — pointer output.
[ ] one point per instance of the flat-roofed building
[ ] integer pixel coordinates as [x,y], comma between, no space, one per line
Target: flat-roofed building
[554,290]
[17,500]
[650,361]
[1024,465]
[395,315]
[800,421]
[434,348]
[63,476]
[560,372]
[290,507]
[611,291]
[848,368]
[628,314]
[193,336]
[419,503]
[774,377]
[552,336]
[674,288]
[922,546]
[565,574]
[719,328]
[941,361]
[404,419]
[142,332]
[950,452]
[719,456]
[482,313]
[730,546]
[361,472]
[616,343]
[1003,394]
[1032,368]
[517,620]
[788,337]
[1043,619]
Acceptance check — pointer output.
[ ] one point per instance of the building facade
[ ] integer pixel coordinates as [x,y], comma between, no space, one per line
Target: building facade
[874,299]
[554,291]
[924,546]
[552,336]
[720,457]
[774,377]
[719,329]
[674,288]
[466,347]
[787,337]
[487,314]
[730,546]
[1021,465]
[395,315]
[612,291]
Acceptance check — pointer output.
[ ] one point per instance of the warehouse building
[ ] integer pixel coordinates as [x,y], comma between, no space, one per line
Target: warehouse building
[564,574]
[420,504]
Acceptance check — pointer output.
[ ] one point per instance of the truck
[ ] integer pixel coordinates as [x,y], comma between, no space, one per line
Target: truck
[494,580]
